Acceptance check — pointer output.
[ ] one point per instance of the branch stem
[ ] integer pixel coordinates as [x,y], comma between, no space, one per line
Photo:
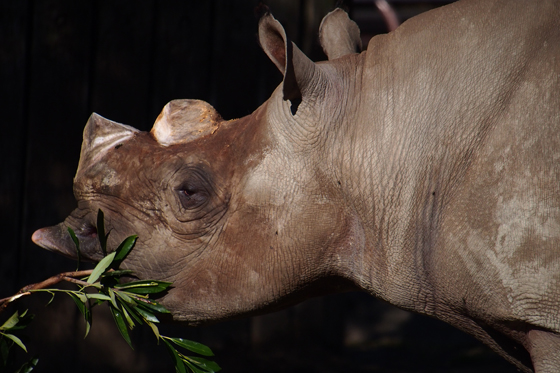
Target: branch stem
[65,276]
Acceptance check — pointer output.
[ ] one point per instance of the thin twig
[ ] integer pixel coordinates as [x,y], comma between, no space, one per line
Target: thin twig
[65,276]
[76,281]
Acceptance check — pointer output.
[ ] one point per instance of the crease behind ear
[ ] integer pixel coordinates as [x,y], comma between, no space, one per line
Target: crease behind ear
[297,69]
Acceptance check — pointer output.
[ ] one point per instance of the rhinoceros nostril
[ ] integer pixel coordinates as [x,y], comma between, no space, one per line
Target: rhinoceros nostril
[89,231]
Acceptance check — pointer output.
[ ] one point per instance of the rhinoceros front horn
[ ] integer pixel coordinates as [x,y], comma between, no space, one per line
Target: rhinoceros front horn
[182,121]
[101,135]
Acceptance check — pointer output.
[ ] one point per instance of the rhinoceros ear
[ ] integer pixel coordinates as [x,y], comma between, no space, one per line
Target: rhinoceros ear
[182,121]
[100,136]
[339,35]
[298,70]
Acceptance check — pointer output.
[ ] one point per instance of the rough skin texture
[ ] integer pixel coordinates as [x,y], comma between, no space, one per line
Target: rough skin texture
[423,171]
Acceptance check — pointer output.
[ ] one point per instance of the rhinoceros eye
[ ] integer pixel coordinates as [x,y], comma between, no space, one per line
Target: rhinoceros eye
[191,197]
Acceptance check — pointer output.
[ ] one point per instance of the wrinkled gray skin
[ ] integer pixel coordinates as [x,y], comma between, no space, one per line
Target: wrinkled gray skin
[424,171]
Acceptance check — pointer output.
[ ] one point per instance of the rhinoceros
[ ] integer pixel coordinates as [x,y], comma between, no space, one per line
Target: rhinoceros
[424,171]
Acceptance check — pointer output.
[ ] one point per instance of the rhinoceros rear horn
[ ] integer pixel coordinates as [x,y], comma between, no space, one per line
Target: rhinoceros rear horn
[100,136]
[339,35]
[297,69]
[182,121]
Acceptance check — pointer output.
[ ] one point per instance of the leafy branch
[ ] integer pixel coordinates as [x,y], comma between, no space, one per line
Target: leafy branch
[8,340]
[129,303]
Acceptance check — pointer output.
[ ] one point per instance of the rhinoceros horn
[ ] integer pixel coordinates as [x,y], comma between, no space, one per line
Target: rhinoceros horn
[100,136]
[298,70]
[182,121]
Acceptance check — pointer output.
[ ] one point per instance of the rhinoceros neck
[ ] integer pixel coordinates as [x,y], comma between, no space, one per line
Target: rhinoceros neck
[388,182]
[397,192]
[407,141]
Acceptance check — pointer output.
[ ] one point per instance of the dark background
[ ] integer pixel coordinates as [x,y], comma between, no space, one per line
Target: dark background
[60,60]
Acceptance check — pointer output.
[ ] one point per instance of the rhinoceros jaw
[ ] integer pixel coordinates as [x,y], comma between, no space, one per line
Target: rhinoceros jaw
[100,136]
[182,121]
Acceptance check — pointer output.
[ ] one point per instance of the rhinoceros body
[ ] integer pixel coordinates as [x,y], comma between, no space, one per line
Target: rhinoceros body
[424,171]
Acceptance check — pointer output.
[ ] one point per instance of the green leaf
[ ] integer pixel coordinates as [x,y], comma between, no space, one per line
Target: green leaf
[179,365]
[123,250]
[112,296]
[24,320]
[88,317]
[196,347]
[148,316]
[81,296]
[99,296]
[193,367]
[127,318]
[126,298]
[154,329]
[4,350]
[81,300]
[100,268]
[16,340]
[121,325]
[77,245]
[81,304]
[132,312]
[11,322]
[52,298]
[152,306]
[29,366]
[209,366]
[144,287]
[101,232]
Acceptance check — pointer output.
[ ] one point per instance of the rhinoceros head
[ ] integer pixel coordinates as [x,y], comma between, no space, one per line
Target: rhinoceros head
[239,215]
